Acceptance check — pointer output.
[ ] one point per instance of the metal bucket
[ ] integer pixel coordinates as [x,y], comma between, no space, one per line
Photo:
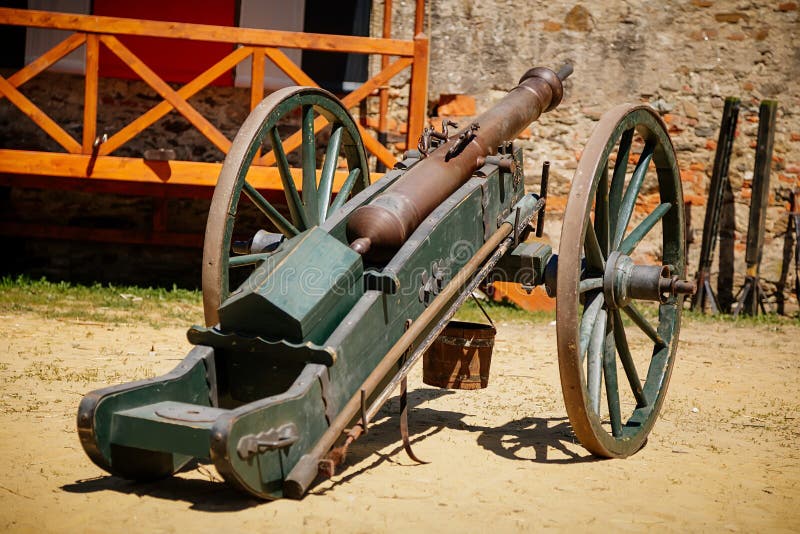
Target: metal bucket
[460,357]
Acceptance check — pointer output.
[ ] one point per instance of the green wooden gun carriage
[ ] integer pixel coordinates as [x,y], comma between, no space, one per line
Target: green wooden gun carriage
[315,319]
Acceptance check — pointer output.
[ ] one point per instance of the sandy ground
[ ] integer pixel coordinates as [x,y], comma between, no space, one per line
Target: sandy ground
[724,455]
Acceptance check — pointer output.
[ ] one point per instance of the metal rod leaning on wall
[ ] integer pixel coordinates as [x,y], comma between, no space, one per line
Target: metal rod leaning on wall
[719,176]
[751,296]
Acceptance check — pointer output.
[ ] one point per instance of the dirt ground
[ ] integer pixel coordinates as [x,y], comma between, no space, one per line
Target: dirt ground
[724,455]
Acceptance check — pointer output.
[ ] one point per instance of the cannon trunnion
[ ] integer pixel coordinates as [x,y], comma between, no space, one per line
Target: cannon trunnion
[327,319]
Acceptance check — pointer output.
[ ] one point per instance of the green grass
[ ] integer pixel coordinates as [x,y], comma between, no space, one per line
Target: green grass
[769,319]
[650,311]
[160,307]
[501,312]
[98,303]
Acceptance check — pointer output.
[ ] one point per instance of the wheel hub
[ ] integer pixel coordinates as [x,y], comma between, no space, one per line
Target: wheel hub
[624,281]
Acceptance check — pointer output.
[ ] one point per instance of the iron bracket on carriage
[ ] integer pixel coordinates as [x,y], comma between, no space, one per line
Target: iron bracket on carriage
[316,313]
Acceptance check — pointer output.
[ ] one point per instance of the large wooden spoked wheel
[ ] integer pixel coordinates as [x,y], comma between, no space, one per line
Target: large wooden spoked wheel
[318,110]
[607,343]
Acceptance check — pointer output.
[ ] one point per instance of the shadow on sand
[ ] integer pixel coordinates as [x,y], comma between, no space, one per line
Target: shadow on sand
[205,495]
[530,439]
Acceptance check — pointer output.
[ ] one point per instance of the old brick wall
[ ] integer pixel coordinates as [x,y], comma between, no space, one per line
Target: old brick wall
[682,57]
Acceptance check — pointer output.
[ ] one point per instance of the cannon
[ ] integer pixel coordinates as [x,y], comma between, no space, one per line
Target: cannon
[316,314]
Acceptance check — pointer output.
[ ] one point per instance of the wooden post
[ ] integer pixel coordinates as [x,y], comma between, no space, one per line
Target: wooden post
[383,105]
[752,295]
[90,92]
[418,91]
[257,77]
[419,17]
[760,198]
[257,82]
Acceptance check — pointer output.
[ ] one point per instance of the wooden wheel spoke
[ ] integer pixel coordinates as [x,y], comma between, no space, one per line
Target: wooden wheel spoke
[594,360]
[594,254]
[588,321]
[287,180]
[309,157]
[247,259]
[344,191]
[637,234]
[618,178]
[643,324]
[601,213]
[632,192]
[284,226]
[589,284]
[610,376]
[621,340]
[328,170]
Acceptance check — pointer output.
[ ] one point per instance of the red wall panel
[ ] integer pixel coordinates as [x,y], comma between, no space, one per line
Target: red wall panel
[175,60]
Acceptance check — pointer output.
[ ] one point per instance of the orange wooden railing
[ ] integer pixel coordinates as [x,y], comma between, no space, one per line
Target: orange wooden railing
[90,156]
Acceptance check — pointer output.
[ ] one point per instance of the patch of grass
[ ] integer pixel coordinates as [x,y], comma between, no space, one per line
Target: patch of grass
[771,321]
[159,306]
[501,312]
[98,303]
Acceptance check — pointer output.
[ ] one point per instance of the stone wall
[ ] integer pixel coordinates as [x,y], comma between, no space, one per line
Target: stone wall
[681,57]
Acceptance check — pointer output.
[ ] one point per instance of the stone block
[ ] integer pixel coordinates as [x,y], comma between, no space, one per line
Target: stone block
[579,19]
[551,26]
[731,18]
[690,110]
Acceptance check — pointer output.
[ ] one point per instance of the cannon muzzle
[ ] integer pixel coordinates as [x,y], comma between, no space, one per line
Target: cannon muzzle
[378,229]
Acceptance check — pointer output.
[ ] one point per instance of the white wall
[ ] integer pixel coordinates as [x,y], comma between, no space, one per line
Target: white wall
[271,15]
[40,40]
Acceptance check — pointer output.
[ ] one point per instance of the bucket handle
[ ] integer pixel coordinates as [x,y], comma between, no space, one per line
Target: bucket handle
[483,310]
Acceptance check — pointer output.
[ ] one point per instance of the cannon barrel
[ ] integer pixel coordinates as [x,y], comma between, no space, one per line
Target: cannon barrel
[378,229]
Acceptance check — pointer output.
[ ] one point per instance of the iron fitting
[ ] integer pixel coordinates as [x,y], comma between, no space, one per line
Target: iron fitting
[650,282]
[624,281]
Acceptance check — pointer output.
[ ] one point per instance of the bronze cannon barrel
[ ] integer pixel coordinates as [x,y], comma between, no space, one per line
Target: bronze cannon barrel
[378,229]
